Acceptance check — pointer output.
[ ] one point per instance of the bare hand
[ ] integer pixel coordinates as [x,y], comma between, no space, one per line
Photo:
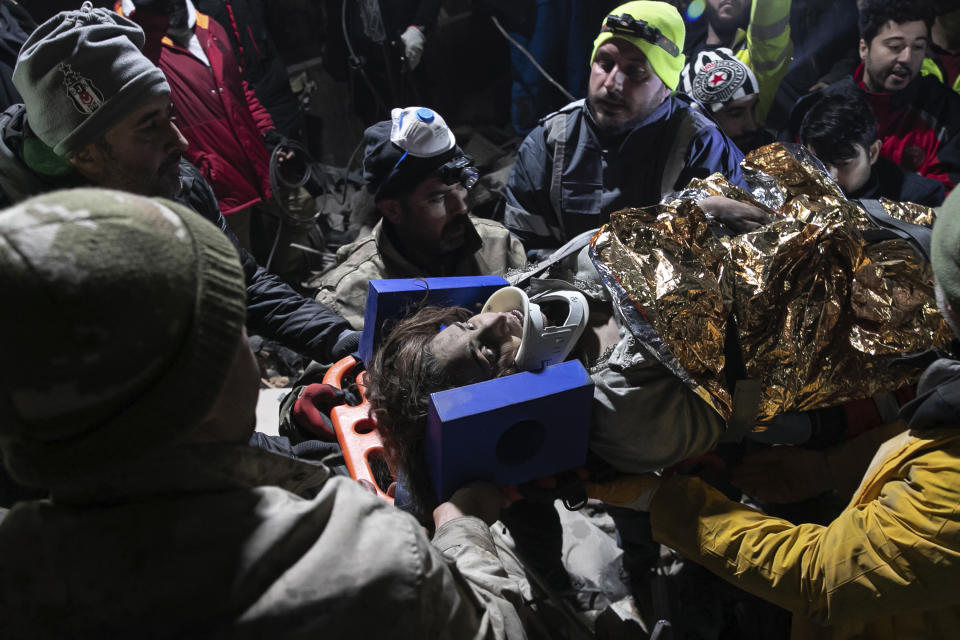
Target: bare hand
[481,499]
[737,216]
[283,156]
[783,474]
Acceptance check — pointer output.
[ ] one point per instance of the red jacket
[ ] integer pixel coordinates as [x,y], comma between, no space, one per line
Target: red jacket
[216,111]
[920,127]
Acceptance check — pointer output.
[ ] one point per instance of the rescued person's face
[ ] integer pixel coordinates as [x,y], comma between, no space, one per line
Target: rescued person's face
[142,153]
[623,90]
[481,348]
[737,119]
[435,217]
[894,56]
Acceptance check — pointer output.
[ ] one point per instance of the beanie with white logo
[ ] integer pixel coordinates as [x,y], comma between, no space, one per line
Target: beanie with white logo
[80,73]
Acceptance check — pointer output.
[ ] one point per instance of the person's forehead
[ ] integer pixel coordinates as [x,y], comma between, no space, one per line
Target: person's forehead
[617,47]
[910,31]
[430,186]
[745,102]
[145,111]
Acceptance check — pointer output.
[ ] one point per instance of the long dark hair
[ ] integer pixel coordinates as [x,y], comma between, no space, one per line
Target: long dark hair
[400,380]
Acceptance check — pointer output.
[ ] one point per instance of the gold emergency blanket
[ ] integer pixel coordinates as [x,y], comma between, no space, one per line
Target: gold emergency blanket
[822,313]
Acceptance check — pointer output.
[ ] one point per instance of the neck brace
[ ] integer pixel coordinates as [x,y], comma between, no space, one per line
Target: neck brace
[542,345]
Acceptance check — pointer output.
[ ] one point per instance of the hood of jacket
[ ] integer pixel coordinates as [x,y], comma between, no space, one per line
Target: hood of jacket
[18,180]
[937,404]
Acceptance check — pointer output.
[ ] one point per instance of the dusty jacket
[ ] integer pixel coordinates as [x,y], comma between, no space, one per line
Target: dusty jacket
[569,176]
[490,250]
[885,568]
[216,111]
[274,309]
[214,541]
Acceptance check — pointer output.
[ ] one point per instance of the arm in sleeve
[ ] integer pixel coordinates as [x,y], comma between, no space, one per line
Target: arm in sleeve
[896,553]
[645,418]
[769,49]
[260,114]
[274,309]
[478,577]
[945,165]
[710,152]
[529,212]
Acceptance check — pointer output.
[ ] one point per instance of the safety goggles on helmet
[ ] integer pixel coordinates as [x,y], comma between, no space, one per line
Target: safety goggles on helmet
[542,344]
[626,24]
[459,169]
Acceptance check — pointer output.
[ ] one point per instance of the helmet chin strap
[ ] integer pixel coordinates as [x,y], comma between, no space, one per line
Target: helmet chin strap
[542,345]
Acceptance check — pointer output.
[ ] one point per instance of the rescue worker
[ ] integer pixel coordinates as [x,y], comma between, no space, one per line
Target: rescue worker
[729,90]
[918,117]
[758,34]
[884,567]
[631,141]
[841,130]
[97,112]
[129,394]
[420,179]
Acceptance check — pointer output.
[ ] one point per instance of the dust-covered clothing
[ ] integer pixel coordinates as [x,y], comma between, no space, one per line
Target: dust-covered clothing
[489,249]
[218,540]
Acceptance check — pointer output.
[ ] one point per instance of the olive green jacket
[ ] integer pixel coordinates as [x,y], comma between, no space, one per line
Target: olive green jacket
[492,250]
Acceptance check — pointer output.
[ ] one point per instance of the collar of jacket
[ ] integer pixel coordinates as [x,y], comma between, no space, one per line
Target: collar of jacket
[938,397]
[619,137]
[195,468]
[202,22]
[396,263]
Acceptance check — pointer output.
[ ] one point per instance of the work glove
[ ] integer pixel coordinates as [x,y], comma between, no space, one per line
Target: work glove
[631,491]
[347,343]
[413,41]
[311,411]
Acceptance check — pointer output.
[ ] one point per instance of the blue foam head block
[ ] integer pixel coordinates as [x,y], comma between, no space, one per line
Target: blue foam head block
[392,299]
[511,429]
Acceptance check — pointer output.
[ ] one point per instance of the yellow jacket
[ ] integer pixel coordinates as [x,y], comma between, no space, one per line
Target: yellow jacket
[887,567]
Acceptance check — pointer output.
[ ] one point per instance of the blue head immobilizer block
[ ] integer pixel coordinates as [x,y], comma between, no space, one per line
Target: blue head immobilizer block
[511,429]
[392,299]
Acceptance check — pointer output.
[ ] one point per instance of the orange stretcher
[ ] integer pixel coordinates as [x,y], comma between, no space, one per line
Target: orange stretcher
[357,433]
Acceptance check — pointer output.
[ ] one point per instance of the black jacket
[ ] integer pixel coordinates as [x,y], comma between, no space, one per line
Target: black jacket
[15,25]
[887,180]
[274,309]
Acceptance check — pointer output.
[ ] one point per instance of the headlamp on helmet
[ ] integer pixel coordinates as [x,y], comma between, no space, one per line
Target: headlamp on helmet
[542,344]
[459,169]
[626,24]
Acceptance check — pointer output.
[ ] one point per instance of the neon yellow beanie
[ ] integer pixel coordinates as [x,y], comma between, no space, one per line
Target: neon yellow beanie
[658,32]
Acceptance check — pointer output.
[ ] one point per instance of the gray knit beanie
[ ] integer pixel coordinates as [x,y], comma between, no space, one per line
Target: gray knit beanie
[122,316]
[80,73]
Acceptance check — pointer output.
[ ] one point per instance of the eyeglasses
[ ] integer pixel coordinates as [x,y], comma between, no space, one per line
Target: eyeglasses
[628,25]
